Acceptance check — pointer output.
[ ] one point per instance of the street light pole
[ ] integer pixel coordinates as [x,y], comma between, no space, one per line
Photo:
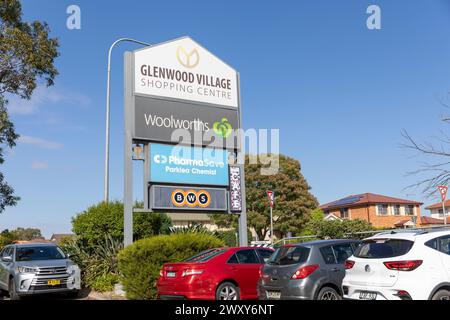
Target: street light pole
[106,178]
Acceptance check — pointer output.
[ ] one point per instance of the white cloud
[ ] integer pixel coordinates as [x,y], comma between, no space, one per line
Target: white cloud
[41,143]
[45,96]
[38,165]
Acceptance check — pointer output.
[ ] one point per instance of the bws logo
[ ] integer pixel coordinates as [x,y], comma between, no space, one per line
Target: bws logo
[188,59]
[190,198]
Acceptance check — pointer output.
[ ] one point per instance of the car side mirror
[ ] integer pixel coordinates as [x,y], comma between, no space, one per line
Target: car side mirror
[7,259]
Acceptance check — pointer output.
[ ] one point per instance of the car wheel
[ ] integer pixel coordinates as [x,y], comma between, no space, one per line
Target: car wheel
[12,290]
[328,293]
[227,291]
[74,294]
[441,295]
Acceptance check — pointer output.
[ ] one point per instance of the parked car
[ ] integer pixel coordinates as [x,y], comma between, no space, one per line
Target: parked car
[310,270]
[27,269]
[221,274]
[400,266]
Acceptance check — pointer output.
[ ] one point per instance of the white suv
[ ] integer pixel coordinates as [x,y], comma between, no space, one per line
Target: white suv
[400,266]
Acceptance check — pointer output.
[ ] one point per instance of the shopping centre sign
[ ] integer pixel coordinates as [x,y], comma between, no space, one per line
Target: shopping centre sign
[182,69]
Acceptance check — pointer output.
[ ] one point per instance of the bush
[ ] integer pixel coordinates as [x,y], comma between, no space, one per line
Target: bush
[140,263]
[229,237]
[98,263]
[336,229]
[107,218]
[105,282]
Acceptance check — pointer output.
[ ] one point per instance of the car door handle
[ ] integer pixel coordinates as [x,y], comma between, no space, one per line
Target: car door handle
[233,268]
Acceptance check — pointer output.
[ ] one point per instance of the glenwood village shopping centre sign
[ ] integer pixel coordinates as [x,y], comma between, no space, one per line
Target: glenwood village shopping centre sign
[182,103]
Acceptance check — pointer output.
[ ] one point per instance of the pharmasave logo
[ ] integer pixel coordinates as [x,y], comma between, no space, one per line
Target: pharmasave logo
[223,128]
[188,59]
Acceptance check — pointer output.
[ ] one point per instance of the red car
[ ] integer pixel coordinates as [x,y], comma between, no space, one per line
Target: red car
[221,274]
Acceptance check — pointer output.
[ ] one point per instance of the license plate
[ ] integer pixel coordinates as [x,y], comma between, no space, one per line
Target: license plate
[53,282]
[365,295]
[170,274]
[274,295]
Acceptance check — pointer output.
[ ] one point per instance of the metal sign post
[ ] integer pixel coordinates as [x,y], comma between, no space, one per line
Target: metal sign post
[128,151]
[443,192]
[271,196]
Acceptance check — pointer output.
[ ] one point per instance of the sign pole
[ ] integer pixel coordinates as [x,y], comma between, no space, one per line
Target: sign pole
[443,192]
[445,214]
[242,220]
[271,226]
[128,152]
[271,196]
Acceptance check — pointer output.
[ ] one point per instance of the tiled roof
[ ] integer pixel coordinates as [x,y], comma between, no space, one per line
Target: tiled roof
[438,205]
[430,220]
[365,198]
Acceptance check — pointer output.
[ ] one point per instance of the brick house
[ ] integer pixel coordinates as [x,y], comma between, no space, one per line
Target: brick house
[381,211]
[436,209]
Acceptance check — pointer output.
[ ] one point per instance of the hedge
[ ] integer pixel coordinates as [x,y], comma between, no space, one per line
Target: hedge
[140,263]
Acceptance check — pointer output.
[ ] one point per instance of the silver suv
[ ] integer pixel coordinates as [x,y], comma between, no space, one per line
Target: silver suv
[37,268]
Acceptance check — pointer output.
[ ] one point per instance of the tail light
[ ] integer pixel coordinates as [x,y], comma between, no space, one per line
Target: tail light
[304,271]
[403,295]
[349,264]
[191,272]
[161,272]
[408,265]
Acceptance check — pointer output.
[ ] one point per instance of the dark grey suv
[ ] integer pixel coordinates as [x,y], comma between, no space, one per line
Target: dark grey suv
[310,270]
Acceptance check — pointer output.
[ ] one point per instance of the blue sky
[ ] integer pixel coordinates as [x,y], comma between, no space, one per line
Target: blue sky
[339,93]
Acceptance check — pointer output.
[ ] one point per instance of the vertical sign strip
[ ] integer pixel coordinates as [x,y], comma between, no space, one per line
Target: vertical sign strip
[235,189]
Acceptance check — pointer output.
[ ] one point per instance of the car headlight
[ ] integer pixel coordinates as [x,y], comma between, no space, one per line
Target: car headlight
[26,269]
[72,269]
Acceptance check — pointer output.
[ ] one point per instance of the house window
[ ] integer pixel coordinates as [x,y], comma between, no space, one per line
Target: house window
[409,210]
[382,209]
[396,210]
[344,213]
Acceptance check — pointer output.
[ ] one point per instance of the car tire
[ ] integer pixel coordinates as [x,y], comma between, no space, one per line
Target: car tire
[74,294]
[328,293]
[227,291]
[12,290]
[441,295]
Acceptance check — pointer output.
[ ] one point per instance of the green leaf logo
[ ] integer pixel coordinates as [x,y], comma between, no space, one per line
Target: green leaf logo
[223,128]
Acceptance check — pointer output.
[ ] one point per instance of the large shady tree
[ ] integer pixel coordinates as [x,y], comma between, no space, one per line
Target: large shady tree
[293,200]
[26,57]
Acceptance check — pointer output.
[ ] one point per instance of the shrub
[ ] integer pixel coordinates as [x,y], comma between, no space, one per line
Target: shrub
[140,263]
[98,263]
[229,237]
[107,218]
[335,229]
[105,282]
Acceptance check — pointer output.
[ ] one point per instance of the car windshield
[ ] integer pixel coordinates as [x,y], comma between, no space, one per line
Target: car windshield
[205,255]
[383,248]
[289,255]
[39,253]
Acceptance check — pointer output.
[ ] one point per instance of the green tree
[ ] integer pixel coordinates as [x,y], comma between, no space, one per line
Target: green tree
[106,218]
[315,216]
[26,233]
[26,55]
[293,201]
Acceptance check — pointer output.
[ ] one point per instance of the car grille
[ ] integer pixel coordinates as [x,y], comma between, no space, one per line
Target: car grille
[51,271]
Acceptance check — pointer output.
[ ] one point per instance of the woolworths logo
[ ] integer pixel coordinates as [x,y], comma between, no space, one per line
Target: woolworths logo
[223,128]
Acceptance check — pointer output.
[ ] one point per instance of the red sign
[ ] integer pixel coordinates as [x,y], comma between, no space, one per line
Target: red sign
[443,192]
[271,196]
